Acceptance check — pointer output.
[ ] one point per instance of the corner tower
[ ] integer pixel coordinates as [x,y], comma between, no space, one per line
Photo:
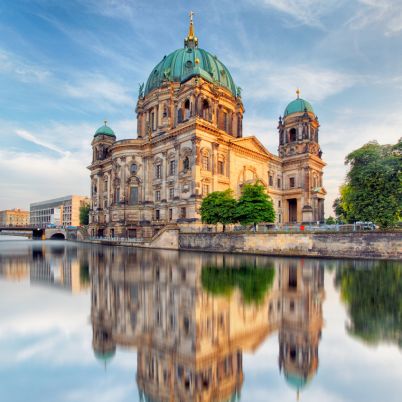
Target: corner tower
[302,163]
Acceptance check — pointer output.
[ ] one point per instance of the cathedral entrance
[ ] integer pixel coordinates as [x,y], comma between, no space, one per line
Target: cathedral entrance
[292,203]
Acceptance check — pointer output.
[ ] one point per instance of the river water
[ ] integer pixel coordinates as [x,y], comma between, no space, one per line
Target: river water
[94,323]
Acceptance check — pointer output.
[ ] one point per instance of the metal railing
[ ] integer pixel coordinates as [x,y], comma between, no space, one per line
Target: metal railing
[117,239]
[272,228]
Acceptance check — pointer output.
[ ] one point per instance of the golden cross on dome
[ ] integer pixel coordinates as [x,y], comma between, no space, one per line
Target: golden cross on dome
[191,40]
[298,93]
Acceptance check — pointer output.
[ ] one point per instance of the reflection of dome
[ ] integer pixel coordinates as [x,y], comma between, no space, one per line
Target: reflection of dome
[182,64]
[105,130]
[296,381]
[298,106]
[105,357]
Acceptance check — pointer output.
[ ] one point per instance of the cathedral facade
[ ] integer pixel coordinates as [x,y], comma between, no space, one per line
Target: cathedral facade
[189,143]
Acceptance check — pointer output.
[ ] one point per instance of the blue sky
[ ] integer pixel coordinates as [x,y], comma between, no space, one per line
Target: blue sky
[66,66]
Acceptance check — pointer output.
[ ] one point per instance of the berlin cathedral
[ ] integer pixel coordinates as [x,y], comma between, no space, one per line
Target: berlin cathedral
[189,143]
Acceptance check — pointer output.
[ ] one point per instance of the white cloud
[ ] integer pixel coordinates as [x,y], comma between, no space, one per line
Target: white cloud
[35,140]
[21,69]
[304,12]
[386,13]
[100,90]
[280,82]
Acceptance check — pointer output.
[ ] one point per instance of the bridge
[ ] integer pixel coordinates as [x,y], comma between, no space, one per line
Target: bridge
[37,233]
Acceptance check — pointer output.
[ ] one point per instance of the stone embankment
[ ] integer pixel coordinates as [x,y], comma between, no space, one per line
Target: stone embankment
[382,245]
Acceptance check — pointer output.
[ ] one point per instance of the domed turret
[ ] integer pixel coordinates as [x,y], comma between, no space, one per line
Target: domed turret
[183,64]
[299,105]
[105,130]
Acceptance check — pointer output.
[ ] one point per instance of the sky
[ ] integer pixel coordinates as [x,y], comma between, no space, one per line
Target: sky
[67,66]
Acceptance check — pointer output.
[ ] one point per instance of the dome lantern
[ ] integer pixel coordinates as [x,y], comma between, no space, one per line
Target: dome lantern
[191,40]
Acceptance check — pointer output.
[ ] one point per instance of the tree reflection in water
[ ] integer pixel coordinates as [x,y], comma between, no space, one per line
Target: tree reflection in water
[372,292]
[191,316]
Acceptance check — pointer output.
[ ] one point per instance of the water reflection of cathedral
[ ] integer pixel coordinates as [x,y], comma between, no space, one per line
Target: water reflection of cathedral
[190,339]
[60,265]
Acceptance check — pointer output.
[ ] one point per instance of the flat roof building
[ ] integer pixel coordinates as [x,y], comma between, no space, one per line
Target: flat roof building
[64,211]
[14,217]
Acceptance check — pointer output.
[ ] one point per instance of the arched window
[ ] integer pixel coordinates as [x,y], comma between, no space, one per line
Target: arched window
[205,110]
[153,122]
[205,161]
[133,168]
[186,163]
[187,109]
[165,111]
[179,116]
[292,135]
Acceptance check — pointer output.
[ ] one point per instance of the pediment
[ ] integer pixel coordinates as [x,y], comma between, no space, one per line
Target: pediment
[252,144]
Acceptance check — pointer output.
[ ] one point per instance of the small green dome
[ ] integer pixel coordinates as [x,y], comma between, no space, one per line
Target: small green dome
[299,105]
[183,64]
[105,130]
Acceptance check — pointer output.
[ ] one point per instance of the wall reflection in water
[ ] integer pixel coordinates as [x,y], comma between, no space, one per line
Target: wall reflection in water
[191,316]
[59,264]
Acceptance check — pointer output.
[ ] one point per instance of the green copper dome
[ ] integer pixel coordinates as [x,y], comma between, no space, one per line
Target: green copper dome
[105,130]
[298,106]
[183,64]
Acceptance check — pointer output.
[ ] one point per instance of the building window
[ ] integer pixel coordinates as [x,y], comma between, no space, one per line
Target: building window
[153,120]
[157,195]
[279,183]
[271,181]
[205,190]
[172,167]
[183,213]
[292,305]
[291,182]
[292,135]
[221,167]
[170,214]
[133,168]
[157,214]
[171,193]
[187,109]
[205,162]
[133,195]
[117,195]
[205,110]
[158,171]
[279,204]
[186,163]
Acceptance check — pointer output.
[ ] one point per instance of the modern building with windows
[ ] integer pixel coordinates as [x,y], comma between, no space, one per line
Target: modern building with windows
[14,217]
[190,142]
[63,211]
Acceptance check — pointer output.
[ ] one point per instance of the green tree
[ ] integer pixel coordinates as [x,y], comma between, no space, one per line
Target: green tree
[373,188]
[330,220]
[218,207]
[254,205]
[84,214]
